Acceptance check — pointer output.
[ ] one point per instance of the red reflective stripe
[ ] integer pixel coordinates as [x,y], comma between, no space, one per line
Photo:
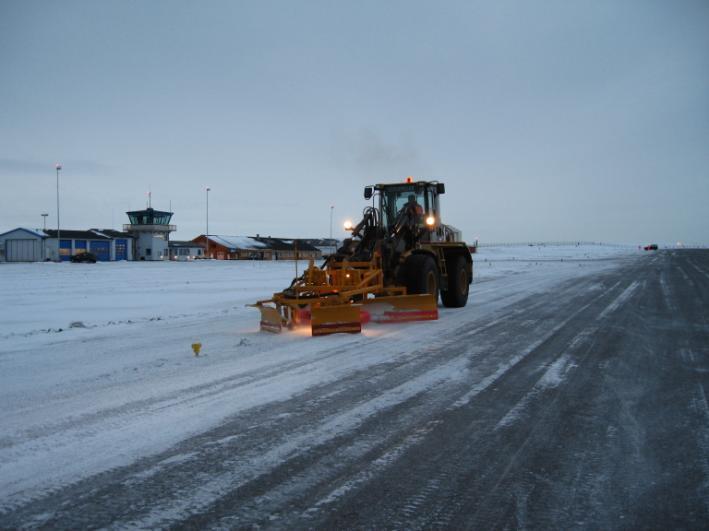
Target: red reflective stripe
[412,312]
[270,327]
[333,328]
[427,315]
[337,325]
[328,332]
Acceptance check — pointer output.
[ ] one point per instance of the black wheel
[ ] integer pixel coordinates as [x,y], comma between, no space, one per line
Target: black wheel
[456,296]
[420,275]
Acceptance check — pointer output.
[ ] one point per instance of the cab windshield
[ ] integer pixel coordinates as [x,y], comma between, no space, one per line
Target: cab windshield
[396,198]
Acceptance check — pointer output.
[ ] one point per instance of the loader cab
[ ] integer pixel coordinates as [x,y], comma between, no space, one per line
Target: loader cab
[395,197]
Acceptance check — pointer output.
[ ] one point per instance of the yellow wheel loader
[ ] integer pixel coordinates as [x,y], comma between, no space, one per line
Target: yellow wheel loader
[392,269]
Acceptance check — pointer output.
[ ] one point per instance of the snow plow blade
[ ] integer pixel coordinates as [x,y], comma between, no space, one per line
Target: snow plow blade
[343,318]
[270,319]
[401,308]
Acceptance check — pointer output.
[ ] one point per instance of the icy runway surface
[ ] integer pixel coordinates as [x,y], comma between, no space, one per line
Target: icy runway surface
[570,392]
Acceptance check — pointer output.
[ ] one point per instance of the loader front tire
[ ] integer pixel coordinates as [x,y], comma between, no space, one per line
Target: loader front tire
[456,296]
[421,275]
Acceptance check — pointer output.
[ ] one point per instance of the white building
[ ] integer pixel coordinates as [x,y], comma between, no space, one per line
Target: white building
[22,245]
[183,251]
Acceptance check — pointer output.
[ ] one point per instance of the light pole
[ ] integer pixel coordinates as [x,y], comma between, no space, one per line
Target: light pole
[58,167]
[332,207]
[207,235]
[44,222]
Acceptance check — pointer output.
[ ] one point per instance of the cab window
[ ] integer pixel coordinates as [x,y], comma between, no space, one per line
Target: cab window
[394,199]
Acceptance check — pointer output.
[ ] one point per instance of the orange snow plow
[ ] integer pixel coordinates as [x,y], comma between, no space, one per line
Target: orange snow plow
[399,259]
[341,298]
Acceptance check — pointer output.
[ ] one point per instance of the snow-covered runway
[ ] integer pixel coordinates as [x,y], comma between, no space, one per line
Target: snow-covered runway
[114,421]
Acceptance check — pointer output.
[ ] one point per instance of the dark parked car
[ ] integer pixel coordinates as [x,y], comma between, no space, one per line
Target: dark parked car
[651,247]
[84,258]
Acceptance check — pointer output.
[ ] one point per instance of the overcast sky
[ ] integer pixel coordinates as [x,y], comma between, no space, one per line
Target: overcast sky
[547,120]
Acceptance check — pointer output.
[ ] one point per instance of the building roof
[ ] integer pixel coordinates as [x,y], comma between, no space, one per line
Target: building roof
[149,216]
[284,244]
[236,242]
[150,212]
[322,242]
[37,232]
[77,234]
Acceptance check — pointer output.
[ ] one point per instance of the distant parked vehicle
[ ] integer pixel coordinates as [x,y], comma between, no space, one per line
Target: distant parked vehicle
[84,258]
[651,247]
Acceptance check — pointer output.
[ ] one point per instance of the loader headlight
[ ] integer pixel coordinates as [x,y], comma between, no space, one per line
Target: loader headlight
[430,221]
[348,225]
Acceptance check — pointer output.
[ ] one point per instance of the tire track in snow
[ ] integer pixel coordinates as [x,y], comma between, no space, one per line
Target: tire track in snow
[192,500]
[702,408]
[664,287]
[441,516]
[552,377]
[581,348]
[107,428]
[698,269]
[377,466]
[619,301]
[507,365]
[685,275]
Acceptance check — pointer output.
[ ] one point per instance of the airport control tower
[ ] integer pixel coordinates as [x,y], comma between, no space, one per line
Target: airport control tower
[151,230]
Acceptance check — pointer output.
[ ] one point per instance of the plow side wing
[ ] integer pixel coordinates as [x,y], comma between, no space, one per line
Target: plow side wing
[270,319]
[336,319]
[401,308]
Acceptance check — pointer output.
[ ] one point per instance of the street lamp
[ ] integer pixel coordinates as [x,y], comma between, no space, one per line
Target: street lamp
[58,167]
[207,235]
[44,221]
[332,207]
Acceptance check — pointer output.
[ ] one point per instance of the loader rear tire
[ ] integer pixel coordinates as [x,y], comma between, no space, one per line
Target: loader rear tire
[456,296]
[421,275]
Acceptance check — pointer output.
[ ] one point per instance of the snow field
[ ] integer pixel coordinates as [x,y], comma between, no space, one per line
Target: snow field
[126,384]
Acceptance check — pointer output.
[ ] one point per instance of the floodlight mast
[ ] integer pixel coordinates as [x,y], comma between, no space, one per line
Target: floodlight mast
[332,207]
[58,167]
[207,234]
